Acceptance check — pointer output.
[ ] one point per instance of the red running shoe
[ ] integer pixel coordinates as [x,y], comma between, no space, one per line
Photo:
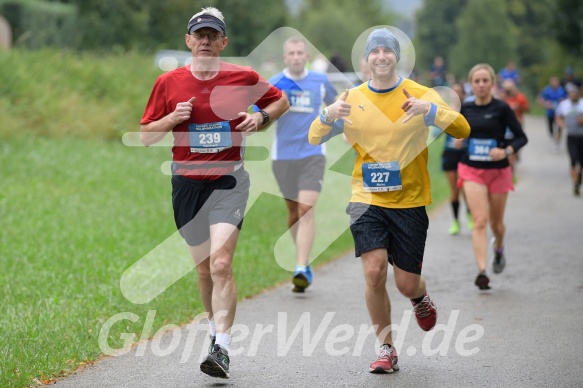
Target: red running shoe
[426,313]
[386,361]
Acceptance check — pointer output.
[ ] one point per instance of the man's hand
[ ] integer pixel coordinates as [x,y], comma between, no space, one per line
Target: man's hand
[155,131]
[250,123]
[182,112]
[340,109]
[414,106]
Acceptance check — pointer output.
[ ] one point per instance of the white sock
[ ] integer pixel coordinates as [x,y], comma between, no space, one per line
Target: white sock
[212,328]
[224,341]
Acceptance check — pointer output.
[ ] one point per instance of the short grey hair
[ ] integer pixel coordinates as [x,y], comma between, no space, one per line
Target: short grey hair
[210,11]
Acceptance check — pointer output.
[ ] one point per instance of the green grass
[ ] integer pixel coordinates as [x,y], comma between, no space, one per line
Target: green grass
[439,185]
[61,94]
[77,208]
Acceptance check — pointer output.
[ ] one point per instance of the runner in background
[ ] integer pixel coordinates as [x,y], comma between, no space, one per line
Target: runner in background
[570,116]
[438,72]
[484,171]
[452,154]
[364,70]
[509,72]
[549,98]
[516,100]
[297,165]
[519,105]
[569,78]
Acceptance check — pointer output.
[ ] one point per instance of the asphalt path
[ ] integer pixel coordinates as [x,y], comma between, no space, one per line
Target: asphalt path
[524,332]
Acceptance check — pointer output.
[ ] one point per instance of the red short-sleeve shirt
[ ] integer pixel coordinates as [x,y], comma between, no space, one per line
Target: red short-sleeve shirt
[218,100]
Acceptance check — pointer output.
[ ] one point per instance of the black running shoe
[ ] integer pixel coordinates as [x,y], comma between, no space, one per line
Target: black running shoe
[482,281]
[216,363]
[212,345]
[499,262]
[302,279]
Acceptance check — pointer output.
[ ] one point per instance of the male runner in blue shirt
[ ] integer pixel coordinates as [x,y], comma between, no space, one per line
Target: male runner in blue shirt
[299,166]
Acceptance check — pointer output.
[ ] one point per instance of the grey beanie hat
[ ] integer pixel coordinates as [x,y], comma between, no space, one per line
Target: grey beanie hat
[382,38]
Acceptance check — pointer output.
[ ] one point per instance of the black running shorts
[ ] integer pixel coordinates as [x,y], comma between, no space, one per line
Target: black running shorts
[200,203]
[402,232]
[450,160]
[575,148]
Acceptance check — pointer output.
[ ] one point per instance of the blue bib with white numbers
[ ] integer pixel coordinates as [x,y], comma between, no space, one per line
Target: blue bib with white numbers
[385,176]
[300,101]
[210,138]
[479,149]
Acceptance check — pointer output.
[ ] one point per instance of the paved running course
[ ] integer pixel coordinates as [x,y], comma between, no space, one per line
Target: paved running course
[525,332]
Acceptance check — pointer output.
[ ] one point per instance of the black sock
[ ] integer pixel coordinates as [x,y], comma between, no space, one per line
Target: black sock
[418,300]
[455,206]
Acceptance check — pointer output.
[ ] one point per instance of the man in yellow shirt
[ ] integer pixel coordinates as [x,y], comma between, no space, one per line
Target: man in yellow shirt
[386,120]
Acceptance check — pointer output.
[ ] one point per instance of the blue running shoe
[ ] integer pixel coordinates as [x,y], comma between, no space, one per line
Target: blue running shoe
[302,278]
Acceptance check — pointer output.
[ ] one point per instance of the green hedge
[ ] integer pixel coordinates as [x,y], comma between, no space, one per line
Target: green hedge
[36,24]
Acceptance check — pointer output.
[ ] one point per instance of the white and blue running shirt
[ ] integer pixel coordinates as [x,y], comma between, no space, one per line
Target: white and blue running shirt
[306,95]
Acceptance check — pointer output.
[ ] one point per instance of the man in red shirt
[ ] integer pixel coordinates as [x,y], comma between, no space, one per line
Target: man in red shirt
[515,99]
[205,104]
[519,105]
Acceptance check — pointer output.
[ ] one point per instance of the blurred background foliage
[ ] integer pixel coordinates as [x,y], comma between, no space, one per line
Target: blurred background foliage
[543,37]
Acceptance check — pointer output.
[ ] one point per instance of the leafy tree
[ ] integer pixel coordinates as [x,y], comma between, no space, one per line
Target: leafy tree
[37,23]
[568,25]
[485,34]
[167,23]
[535,42]
[333,26]
[112,23]
[436,30]
[249,22]
[531,20]
[153,24]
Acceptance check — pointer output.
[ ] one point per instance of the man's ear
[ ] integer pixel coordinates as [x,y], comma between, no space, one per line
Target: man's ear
[225,41]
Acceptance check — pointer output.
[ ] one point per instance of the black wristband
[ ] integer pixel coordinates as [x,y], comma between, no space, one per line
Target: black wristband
[265,117]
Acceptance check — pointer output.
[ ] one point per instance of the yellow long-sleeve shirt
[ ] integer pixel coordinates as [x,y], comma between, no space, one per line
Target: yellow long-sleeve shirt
[379,136]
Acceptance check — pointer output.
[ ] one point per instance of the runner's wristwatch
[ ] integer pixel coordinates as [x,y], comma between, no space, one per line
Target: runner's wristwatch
[327,118]
[265,117]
